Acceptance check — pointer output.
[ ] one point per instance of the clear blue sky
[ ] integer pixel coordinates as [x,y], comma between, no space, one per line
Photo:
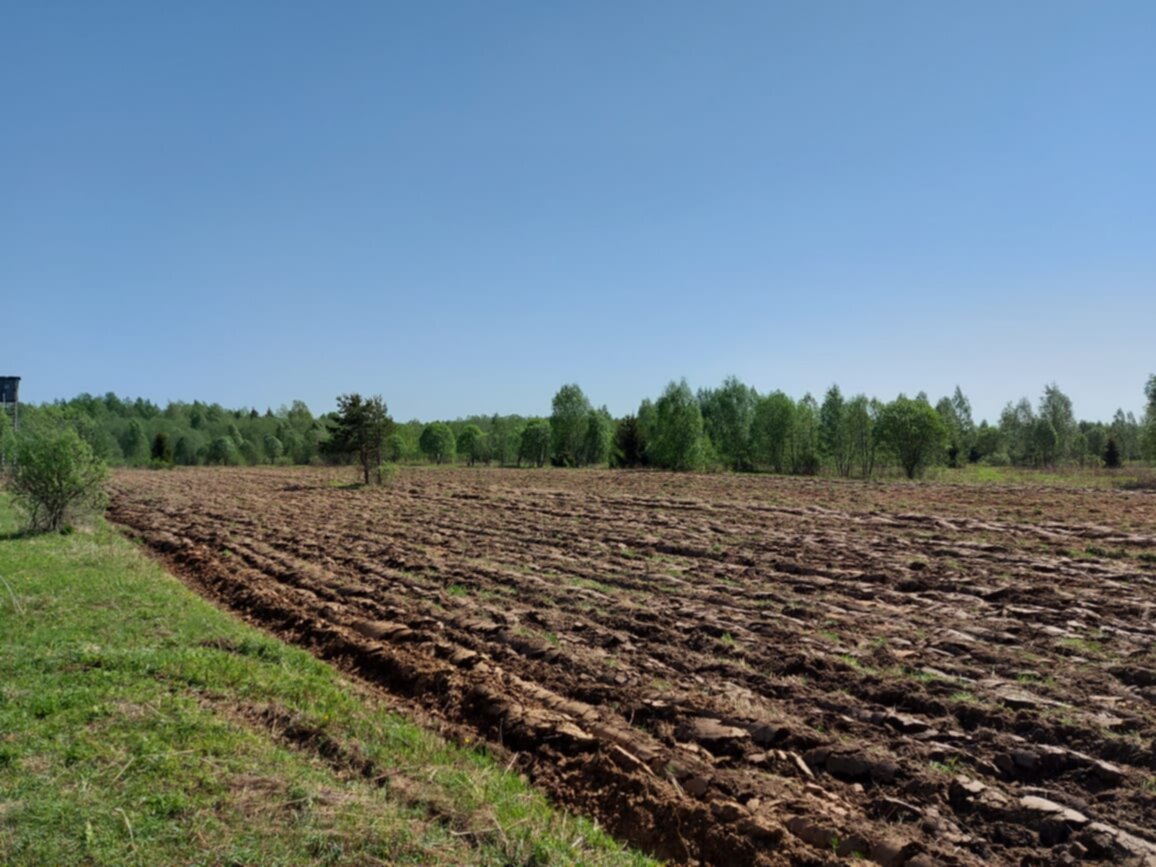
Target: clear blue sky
[463,206]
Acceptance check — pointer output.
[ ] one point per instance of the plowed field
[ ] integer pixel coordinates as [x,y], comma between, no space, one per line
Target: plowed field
[729,669]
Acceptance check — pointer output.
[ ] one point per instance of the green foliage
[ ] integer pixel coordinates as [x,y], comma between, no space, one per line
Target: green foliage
[596,440]
[534,442]
[186,449]
[805,437]
[1045,442]
[471,444]
[437,442]
[1016,424]
[134,443]
[274,448]
[728,414]
[358,432]
[677,443]
[162,449]
[568,426]
[989,440]
[1112,458]
[1148,438]
[223,452]
[1056,409]
[834,431]
[913,431]
[861,440]
[771,430]
[629,443]
[394,447]
[55,477]
[504,435]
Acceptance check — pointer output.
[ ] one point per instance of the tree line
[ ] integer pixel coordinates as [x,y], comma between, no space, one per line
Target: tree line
[730,427]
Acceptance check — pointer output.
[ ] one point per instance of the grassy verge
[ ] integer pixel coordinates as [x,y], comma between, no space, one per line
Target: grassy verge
[1062,477]
[140,725]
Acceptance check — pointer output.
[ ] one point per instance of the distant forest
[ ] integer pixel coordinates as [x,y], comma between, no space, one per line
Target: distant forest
[731,427]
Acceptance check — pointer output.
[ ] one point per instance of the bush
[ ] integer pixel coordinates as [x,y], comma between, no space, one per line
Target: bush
[386,473]
[55,478]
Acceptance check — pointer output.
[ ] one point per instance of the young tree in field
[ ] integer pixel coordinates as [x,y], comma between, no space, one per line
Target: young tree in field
[358,431]
[568,425]
[771,430]
[472,444]
[629,443]
[834,439]
[728,414]
[437,442]
[54,477]
[913,431]
[677,443]
[534,442]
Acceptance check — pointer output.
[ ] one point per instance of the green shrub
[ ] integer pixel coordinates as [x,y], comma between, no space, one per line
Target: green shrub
[55,478]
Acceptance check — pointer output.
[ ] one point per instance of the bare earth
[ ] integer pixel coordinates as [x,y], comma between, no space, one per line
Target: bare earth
[729,669]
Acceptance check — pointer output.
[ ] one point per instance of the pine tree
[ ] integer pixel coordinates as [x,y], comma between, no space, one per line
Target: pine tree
[1112,455]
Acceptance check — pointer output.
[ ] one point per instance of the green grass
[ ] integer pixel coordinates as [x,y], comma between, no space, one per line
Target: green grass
[140,725]
[1061,477]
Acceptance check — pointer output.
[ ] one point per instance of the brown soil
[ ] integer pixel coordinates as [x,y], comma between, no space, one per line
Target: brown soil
[729,669]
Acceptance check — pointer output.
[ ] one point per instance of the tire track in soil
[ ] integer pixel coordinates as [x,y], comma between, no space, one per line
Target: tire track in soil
[719,668]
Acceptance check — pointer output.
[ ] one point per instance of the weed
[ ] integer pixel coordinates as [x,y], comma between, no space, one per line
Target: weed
[1110,553]
[1083,646]
[591,584]
[949,767]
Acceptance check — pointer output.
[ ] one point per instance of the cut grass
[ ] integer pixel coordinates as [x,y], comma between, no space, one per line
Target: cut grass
[141,725]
